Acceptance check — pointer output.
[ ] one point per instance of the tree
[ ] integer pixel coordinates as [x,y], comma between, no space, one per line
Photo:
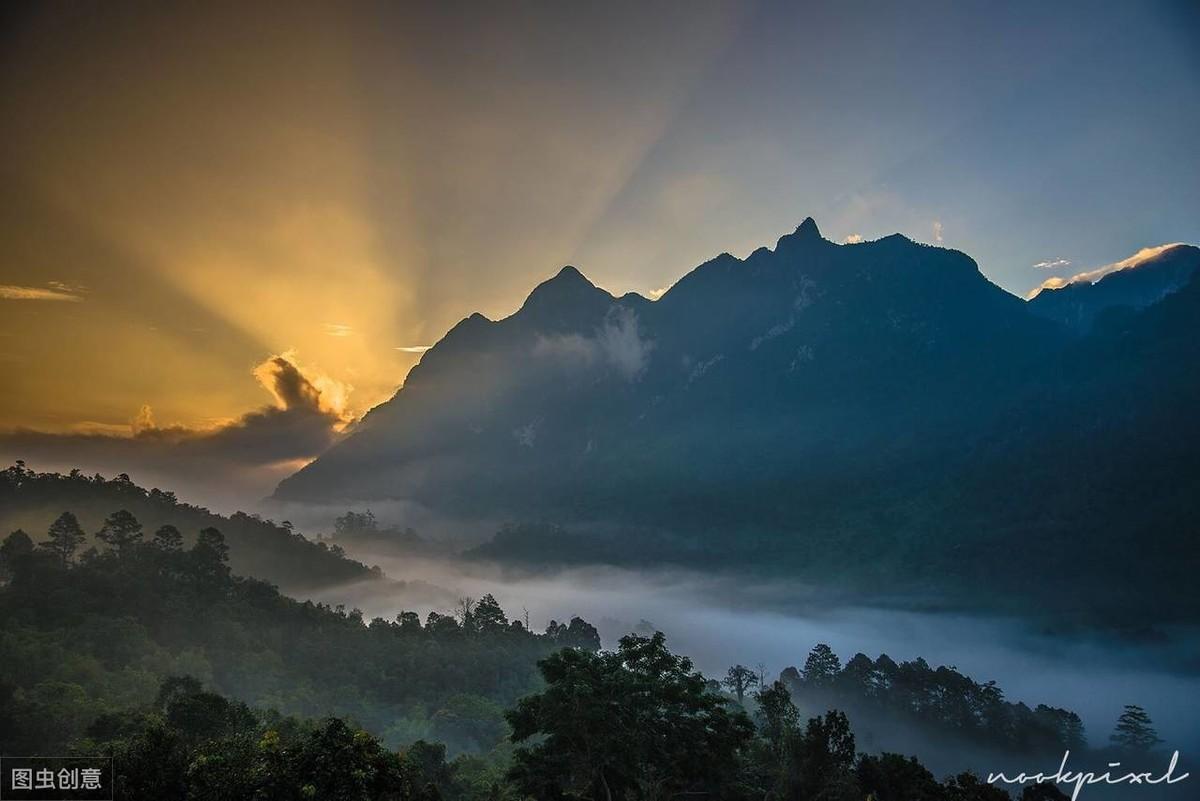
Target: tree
[777,716]
[211,544]
[409,622]
[66,535]
[821,666]
[969,787]
[739,680]
[168,538]
[210,555]
[1135,731]
[120,530]
[892,777]
[465,610]
[579,634]
[819,763]
[634,723]
[488,616]
[354,524]
[15,553]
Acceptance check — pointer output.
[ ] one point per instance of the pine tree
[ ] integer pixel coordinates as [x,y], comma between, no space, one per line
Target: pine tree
[821,666]
[168,538]
[120,530]
[66,535]
[488,616]
[1135,730]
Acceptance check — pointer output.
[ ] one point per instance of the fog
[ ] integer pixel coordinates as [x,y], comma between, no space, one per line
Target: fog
[720,621]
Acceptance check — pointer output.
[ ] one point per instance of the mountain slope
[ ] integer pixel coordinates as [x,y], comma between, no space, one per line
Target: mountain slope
[873,417]
[1143,283]
[581,397]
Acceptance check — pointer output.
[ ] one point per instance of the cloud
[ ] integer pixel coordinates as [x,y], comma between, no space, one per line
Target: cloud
[414,348]
[937,230]
[1092,276]
[655,294]
[308,414]
[854,239]
[338,330]
[1052,264]
[617,344]
[57,291]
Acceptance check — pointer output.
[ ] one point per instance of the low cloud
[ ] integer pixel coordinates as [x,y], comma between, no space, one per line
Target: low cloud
[854,239]
[308,414]
[617,345]
[56,292]
[1092,276]
[414,348]
[1052,264]
[937,231]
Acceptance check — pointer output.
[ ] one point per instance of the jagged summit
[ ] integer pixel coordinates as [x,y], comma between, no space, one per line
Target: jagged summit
[566,283]
[806,234]
[571,273]
[808,229]
[568,296]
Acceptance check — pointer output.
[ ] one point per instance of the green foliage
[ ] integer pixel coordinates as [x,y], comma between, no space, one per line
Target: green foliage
[634,723]
[66,535]
[199,746]
[578,634]
[777,716]
[115,624]
[821,666]
[168,538]
[258,547]
[938,701]
[120,530]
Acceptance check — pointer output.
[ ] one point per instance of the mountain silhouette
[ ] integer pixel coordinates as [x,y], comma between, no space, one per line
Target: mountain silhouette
[879,412]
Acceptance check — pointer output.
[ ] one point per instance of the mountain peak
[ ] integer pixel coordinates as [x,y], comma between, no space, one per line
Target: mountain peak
[565,291]
[569,273]
[805,233]
[808,229]
[567,281]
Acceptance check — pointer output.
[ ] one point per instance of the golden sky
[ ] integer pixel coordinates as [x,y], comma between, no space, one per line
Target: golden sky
[209,189]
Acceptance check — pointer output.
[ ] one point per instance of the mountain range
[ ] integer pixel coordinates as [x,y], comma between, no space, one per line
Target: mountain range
[878,415]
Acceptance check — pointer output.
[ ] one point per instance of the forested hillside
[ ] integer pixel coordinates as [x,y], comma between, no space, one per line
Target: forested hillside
[85,634]
[270,551]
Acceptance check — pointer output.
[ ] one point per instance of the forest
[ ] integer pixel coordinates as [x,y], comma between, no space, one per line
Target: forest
[262,548]
[203,684]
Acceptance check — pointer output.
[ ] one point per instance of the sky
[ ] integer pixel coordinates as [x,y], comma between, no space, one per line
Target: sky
[227,230]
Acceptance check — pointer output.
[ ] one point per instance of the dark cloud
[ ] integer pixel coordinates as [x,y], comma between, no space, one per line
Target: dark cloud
[232,462]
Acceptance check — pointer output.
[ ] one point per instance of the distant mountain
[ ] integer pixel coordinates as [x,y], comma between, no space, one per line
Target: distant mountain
[876,415]
[1077,304]
[810,348]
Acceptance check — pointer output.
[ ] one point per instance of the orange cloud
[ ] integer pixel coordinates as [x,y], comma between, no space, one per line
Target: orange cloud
[14,292]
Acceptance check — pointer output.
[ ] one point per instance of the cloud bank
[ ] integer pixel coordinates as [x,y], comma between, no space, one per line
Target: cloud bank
[617,345]
[233,461]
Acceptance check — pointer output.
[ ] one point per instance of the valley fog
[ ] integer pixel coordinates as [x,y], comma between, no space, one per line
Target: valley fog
[719,621]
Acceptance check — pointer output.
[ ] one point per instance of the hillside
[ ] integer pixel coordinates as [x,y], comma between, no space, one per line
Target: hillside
[877,417]
[261,548]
